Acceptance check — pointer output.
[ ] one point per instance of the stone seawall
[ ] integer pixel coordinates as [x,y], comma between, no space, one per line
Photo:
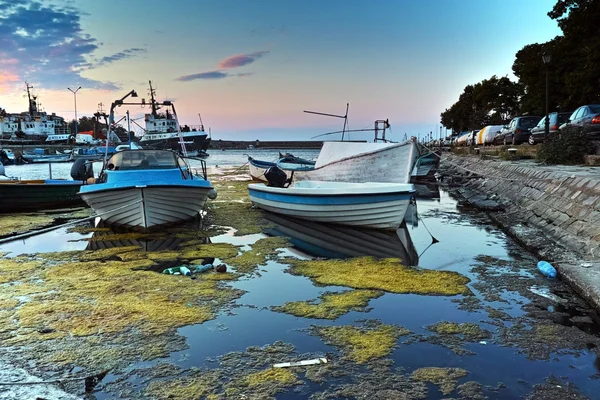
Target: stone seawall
[554,210]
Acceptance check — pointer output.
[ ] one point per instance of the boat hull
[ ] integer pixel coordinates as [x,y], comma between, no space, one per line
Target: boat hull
[389,163]
[148,206]
[21,196]
[366,210]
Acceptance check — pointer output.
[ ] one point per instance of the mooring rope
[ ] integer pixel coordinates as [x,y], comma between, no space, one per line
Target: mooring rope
[51,228]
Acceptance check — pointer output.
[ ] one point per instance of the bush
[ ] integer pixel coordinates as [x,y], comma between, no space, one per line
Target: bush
[565,148]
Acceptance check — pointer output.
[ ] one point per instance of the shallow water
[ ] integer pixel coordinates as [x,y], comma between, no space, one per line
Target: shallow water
[463,235]
[216,157]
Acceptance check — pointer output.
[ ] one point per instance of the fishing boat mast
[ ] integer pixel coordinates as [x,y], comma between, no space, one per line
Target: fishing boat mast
[345,117]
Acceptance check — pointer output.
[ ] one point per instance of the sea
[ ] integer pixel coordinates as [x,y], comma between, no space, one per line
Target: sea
[216,158]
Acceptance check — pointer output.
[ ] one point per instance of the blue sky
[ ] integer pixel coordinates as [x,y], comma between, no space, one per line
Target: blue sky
[251,67]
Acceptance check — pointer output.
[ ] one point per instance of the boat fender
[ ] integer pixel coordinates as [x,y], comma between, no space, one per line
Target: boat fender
[212,194]
[275,177]
[82,170]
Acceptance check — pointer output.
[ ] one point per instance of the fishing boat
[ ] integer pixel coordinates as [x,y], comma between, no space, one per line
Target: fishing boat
[34,195]
[286,162]
[162,130]
[258,168]
[45,156]
[425,166]
[367,205]
[91,153]
[337,241]
[146,188]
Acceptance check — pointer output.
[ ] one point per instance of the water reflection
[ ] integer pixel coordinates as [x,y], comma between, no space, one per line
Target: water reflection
[336,241]
[429,190]
[115,236]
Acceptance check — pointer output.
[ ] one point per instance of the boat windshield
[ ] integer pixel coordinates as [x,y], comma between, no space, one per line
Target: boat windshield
[143,159]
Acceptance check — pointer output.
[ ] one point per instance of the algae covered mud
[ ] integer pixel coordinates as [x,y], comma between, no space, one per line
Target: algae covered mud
[474,321]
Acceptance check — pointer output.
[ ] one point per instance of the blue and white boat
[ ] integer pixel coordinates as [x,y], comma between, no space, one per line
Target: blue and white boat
[147,188]
[286,162]
[367,205]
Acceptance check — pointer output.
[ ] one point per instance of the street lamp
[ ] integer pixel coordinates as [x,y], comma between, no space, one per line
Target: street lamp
[546,58]
[75,99]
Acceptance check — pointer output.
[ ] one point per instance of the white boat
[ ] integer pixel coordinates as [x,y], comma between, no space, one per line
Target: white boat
[363,162]
[367,205]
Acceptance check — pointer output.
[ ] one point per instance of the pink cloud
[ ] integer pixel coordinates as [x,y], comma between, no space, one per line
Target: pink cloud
[239,60]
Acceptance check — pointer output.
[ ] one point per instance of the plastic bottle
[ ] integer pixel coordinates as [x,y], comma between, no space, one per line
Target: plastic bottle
[181,270]
[203,268]
[547,269]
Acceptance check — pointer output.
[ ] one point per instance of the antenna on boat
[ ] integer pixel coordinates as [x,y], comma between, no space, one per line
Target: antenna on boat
[181,141]
[31,108]
[201,123]
[334,115]
[152,100]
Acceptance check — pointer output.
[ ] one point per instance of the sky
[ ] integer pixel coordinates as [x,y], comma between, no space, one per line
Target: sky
[250,67]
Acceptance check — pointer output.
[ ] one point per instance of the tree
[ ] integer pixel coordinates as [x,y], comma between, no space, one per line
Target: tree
[85,124]
[491,101]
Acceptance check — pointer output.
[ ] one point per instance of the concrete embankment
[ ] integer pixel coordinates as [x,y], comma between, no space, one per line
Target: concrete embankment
[552,210]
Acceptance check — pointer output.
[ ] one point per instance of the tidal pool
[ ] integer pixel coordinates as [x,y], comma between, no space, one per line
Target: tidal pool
[465,326]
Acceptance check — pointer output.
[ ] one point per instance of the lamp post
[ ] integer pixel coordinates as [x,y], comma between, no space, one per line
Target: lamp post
[546,58]
[75,100]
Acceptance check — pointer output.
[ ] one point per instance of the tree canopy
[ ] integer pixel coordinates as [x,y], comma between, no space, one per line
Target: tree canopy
[491,101]
[573,74]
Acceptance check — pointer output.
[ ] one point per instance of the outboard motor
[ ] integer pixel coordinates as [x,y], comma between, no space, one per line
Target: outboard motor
[276,177]
[82,170]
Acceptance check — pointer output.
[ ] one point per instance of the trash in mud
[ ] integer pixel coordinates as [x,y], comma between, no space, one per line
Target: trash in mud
[544,292]
[547,269]
[321,360]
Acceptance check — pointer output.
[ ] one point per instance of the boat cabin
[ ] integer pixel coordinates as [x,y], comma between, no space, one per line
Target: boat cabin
[145,159]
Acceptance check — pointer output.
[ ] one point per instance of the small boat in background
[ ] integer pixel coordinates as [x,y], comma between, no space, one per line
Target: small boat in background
[91,153]
[45,156]
[287,163]
[367,205]
[426,166]
[258,168]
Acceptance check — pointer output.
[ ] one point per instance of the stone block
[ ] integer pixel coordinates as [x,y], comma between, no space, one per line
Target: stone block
[590,201]
[583,182]
[574,196]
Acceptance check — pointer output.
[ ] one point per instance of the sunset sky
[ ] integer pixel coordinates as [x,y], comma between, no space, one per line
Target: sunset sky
[250,67]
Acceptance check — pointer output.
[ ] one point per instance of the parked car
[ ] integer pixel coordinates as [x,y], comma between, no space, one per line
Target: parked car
[518,130]
[584,119]
[538,132]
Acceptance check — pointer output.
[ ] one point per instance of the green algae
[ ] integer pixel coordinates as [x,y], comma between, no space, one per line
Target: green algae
[240,375]
[233,208]
[262,251]
[217,250]
[362,344]
[469,330]
[331,305]
[192,387]
[386,274]
[13,224]
[76,296]
[270,376]
[445,378]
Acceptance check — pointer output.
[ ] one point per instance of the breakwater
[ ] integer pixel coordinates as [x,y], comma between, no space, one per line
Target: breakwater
[553,210]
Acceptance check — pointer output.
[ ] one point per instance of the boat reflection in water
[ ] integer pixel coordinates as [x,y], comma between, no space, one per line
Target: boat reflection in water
[337,241]
[118,236]
[430,190]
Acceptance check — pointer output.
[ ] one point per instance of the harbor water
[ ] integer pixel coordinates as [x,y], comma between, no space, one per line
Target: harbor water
[511,334]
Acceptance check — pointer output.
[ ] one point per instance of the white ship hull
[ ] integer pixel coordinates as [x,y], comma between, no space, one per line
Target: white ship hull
[146,207]
[363,162]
